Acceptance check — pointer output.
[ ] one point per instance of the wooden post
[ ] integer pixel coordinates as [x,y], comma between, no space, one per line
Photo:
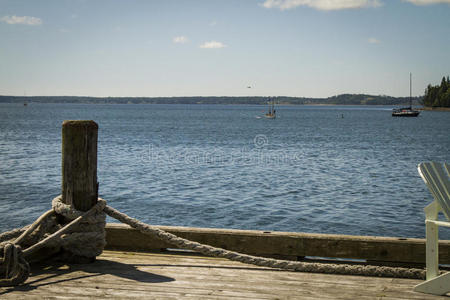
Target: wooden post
[79,164]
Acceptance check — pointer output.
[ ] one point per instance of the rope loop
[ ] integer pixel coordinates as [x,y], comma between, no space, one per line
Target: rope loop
[16,267]
[88,239]
[83,236]
[70,212]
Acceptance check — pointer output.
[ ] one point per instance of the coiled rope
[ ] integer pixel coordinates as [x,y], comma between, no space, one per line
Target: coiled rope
[84,235]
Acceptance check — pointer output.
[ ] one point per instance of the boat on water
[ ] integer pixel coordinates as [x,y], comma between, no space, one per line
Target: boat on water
[271,114]
[406,111]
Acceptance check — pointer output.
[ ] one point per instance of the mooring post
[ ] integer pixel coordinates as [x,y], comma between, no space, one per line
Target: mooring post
[79,164]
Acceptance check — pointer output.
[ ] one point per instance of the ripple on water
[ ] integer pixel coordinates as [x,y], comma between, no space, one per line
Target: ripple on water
[200,166]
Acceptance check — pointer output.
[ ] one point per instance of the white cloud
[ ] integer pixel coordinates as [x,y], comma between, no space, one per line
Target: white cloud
[322,4]
[180,39]
[373,40]
[212,45]
[427,2]
[25,20]
[213,23]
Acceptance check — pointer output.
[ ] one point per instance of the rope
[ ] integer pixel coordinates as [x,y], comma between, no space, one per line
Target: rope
[17,269]
[89,238]
[6,236]
[84,235]
[266,262]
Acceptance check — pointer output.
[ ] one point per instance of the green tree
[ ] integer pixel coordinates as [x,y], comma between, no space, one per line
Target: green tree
[439,95]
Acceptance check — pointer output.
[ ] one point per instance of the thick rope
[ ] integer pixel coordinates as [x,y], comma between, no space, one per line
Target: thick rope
[33,227]
[6,236]
[86,216]
[16,267]
[85,236]
[266,262]
[89,238]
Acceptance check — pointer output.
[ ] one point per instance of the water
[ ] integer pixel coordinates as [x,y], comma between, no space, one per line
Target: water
[309,170]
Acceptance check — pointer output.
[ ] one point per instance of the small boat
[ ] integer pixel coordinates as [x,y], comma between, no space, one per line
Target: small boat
[406,111]
[271,114]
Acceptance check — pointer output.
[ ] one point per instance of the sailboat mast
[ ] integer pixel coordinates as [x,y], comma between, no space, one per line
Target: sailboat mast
[410,91]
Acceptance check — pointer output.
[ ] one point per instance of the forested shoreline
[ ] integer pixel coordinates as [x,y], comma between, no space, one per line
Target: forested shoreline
[438,95]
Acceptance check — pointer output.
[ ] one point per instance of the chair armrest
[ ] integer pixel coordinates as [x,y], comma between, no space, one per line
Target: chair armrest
[439,223]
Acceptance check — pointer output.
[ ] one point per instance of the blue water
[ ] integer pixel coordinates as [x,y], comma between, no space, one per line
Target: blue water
[309,170]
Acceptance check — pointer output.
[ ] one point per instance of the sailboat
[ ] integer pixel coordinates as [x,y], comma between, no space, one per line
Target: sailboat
[271,113]
[406,111]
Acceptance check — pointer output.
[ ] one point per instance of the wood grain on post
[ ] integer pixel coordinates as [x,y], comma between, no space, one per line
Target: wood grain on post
[79,164]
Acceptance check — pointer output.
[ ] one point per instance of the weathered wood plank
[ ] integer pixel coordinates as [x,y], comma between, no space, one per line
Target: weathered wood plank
[79,164]
[191,264]
[286,245]
[79,171]
[132,275]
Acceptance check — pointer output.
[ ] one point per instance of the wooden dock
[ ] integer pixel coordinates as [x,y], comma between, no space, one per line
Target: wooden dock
[121,274]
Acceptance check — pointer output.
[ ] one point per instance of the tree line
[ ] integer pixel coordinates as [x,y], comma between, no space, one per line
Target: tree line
[438,95]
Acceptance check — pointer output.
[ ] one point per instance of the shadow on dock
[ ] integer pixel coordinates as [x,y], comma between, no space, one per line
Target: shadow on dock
[59,272]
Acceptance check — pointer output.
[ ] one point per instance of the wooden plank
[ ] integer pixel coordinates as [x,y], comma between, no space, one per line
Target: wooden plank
[287,245]
[132,275]
[228,268]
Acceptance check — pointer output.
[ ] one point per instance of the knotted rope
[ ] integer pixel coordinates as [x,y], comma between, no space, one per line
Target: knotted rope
[84,235]
[48,234]
[16,267]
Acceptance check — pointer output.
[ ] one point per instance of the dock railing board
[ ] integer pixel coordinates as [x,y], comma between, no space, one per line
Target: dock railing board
[284,245]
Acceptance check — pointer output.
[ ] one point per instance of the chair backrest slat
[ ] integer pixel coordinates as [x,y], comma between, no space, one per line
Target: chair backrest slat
[437,178]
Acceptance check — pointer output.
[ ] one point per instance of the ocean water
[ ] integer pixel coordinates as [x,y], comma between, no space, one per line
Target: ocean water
[322,169]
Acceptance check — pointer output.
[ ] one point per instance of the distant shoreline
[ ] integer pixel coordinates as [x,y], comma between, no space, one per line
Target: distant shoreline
[343,99]
[436,108]
[260,104]
[200,103]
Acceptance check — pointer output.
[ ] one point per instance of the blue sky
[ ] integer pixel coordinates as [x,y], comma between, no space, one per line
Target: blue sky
[305,48]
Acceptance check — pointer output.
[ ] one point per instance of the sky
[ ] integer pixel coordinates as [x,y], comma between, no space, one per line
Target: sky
[166,48]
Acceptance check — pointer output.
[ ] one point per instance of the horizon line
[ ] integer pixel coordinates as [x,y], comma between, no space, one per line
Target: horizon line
[223,96]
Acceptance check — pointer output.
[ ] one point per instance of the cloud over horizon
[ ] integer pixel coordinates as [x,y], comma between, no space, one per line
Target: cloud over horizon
[212,45]
[180,39]
[322,4]
[373,40]
[24,20]
[427,2]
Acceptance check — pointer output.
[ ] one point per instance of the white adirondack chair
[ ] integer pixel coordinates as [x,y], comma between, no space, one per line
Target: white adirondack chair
[437,178]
